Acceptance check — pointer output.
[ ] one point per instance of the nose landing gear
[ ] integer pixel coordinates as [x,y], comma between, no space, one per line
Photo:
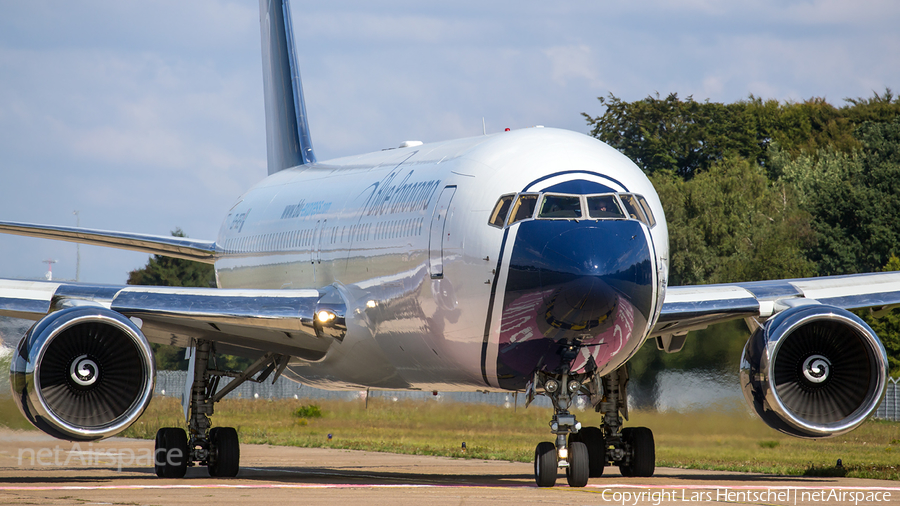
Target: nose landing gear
[585,452]
[566,452]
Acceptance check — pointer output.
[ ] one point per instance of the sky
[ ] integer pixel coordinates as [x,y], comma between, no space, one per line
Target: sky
[147,116]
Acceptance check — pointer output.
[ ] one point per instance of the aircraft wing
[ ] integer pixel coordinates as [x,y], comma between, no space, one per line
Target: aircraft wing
[179,247]
[280,321]
[689,308]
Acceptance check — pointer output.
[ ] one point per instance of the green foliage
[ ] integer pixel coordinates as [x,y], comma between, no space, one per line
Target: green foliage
[687,137]
[853,197]
[681,136]
[168,271]
[308,411]
[759,189]
[731,224]
[169,358]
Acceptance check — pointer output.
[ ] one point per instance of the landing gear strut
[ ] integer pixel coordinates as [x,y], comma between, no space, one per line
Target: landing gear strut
[632,449]
[584,452]
[572,454]
[217,448]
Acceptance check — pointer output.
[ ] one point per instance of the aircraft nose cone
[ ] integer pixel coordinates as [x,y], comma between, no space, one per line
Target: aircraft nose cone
[587,283]
[572,281]
[585,270]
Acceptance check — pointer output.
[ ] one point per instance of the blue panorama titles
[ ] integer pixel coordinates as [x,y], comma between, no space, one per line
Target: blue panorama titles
[780,495]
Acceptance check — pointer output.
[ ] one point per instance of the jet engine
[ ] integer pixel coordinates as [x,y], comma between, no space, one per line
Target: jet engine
[814,371]
[83,373]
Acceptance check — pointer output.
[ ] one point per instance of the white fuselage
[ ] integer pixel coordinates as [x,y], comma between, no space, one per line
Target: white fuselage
[404,234]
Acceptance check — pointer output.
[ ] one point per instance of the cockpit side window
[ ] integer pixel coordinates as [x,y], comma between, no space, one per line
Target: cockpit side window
[647,212]
[561,207]
[604,206]
[632,207]
[498,216]
[523,208]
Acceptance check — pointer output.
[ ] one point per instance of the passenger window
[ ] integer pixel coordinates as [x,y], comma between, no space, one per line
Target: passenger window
[498,217]
[632,208]
[604,206]
[523,209]
[559,206]
[646,207]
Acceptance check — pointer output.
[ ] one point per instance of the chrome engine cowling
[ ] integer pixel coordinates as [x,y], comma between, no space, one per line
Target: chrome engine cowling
[83,373]
[814,371]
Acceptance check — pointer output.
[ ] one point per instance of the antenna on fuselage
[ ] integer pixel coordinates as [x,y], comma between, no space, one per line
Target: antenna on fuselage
[288,142]
[483,128]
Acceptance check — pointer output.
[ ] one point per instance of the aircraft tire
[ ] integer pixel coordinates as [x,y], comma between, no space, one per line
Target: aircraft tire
[643,458]
[593,438]
[578,472]
[545,464]
[228,452]
[159,454]
[166,463]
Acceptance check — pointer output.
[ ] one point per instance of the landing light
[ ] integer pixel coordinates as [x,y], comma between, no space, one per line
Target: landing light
[563,453]
[370,304]
[551,385]
[573,386]
[325,316]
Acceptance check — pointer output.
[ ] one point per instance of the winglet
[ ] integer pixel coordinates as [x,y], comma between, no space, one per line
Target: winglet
[288,142]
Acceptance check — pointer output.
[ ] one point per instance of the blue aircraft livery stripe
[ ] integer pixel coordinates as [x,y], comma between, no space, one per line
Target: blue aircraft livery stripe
[565,172]
[490,311]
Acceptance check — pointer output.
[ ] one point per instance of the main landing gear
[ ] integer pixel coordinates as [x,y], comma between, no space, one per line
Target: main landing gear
[585,451]
[217,448]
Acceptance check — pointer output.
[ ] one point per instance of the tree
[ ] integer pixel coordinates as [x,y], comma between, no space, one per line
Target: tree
[853,197]
[168,271]
[687,137]
[681,136]
[731,224]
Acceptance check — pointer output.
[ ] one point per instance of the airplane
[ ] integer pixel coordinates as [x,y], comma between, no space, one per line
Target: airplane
[531,260]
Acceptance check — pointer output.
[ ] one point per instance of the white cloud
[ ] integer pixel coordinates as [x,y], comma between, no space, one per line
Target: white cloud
[148,115]
[573,62]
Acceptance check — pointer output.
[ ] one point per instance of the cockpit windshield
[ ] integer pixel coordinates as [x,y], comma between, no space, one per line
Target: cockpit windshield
[523,209]
[560,206]
[604,206]
[512,209]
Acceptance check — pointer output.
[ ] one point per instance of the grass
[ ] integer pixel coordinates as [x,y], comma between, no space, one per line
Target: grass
[719,440]
[729,440]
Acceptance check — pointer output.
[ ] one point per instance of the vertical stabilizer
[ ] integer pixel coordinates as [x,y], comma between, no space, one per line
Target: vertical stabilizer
[288,143]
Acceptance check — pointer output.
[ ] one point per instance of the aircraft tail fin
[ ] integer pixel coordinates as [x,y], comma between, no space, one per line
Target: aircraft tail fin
[288,142]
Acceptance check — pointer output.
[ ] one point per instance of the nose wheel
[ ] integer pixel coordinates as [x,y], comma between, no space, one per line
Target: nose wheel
[585,452]
[578,470]
[568,451]
[547,462]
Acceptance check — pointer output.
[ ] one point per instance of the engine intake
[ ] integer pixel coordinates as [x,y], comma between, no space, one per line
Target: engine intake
[83,373]
[814,371]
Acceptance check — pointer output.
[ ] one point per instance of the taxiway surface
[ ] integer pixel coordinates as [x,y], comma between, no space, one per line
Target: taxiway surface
[37,469]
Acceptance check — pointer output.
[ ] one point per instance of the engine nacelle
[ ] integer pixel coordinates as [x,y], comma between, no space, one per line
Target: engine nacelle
[83,373]
[814,371]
